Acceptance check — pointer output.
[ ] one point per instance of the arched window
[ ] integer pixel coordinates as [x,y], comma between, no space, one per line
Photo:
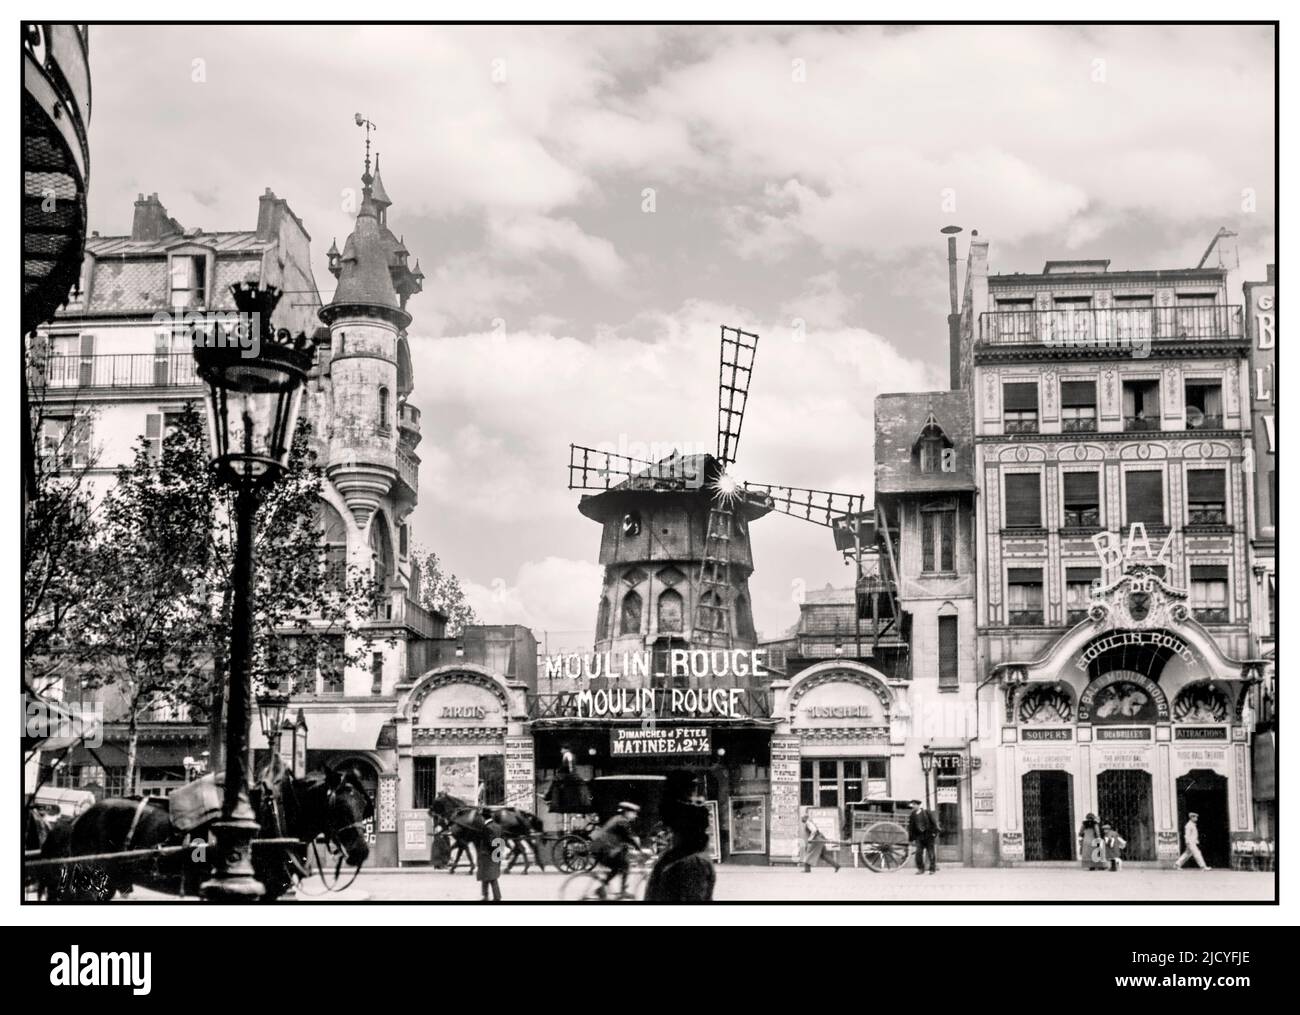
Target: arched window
[384,425]
[602,619]
[630,618]
[334,535]
[744,620]
[670,612]
[381,548]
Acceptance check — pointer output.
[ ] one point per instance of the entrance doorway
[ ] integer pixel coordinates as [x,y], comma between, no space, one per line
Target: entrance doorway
[1124,802]
[1048,796]
[1206,793]
[947,804]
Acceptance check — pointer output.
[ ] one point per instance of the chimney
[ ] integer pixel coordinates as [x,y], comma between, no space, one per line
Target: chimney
[151,221]
[954,310]
[268,215]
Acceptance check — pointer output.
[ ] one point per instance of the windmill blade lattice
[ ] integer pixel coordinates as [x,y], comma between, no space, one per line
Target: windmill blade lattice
[735,368]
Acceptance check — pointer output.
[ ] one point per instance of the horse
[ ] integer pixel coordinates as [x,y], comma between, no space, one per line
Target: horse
[466,824]
[333,804]
[39,829]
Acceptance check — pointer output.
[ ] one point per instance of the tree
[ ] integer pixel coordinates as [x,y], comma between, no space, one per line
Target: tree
[154,619]
[441,590]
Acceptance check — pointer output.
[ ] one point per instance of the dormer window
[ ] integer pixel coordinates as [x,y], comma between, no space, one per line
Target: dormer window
[188,278]
[933,451]
[931,454]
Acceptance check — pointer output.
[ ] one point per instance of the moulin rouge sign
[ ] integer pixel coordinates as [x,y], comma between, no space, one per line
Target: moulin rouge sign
[636,699]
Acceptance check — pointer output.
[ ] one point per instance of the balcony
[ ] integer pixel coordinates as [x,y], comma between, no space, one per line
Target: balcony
[55,161]
[1025,618]
[1141,423]
[1109,327]
[1210,615]
[408,471]
[408,425]
[1203,422]
[121,370]
[401,611]
[1020,426]
[1079,425]
[751,703]
[1200,514]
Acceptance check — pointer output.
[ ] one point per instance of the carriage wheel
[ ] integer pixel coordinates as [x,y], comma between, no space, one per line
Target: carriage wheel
[572,854]
[883,857]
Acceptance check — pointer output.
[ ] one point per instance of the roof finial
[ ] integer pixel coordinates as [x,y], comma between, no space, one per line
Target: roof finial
[363,122]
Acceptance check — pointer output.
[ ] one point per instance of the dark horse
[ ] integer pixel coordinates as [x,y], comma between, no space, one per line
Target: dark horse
[332,804]
[467,823]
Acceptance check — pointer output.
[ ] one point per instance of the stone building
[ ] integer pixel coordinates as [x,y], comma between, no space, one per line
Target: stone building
[1111,425]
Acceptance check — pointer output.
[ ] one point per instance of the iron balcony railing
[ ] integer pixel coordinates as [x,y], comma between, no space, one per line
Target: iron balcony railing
[1142,422]
[117,370]
[751,703]
[1109,326]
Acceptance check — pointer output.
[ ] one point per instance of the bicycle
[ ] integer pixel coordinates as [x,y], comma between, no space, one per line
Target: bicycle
[592,884]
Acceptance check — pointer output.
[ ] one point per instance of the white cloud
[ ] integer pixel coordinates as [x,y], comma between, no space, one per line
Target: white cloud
[548,595]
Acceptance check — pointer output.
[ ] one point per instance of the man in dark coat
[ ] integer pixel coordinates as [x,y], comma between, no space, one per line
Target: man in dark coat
[489,846]
[922,829]
[685,871]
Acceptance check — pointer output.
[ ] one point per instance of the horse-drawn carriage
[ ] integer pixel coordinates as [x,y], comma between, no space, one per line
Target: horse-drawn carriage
[878,832]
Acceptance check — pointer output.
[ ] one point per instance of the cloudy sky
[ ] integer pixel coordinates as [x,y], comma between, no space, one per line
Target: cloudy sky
[589,204]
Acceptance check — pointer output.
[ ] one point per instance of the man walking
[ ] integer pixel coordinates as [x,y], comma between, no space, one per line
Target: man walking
[922,830]
[1192,843]
[816,846]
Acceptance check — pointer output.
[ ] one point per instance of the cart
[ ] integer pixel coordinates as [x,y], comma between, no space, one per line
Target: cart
[879,833]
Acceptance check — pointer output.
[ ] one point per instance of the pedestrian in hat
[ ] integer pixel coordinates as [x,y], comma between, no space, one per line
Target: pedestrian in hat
[685,871]
[1192,843]
[922,831]
[816,845]
[490,844]
[610,844]
[1090,848]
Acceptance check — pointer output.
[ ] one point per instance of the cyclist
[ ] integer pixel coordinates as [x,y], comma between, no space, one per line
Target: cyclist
[609,845]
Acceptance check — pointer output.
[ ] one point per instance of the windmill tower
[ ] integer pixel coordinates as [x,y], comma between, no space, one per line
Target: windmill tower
[675,533]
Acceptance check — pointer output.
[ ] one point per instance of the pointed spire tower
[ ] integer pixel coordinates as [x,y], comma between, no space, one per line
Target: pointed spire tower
[371,461]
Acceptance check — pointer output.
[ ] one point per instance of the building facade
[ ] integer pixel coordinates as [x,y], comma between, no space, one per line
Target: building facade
[1111,423]
[1261,332]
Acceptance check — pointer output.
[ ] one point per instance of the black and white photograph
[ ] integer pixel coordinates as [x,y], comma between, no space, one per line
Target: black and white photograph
[620,465]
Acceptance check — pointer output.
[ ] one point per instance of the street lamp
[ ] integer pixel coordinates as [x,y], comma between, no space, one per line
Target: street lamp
[271,709]
[927,764]
[255,376]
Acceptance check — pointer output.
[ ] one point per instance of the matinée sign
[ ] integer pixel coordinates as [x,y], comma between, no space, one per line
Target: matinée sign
[660,740]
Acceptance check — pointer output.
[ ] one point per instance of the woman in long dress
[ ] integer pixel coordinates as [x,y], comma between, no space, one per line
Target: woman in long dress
[1091,853]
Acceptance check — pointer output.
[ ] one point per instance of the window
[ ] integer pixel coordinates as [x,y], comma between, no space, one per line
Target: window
[1144,498]
[376,673]
[403,540]
[331,666]
[426,782]
[1024,504]
[1141,405]
[662,674]
[1082,506]
[1210,593]
[1196,316]
[188,281]
[66,441]
[939,538]
[1204,405]
[1133,317]
[385,426]
[1078,406]
[1078,592]
[602,619]
[1025,596]
[947,651]
[1206,501]
[1072,319]
[832,782]
[334,535]
[158,426]
[931,455]
[670,612]
[630,619]
[492,777]
[1020,407]
[1015,320]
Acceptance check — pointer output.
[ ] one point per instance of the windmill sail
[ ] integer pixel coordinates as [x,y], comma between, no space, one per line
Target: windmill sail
[735,368]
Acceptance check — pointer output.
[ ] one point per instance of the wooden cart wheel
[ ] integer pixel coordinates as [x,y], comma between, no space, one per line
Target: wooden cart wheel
[884,847]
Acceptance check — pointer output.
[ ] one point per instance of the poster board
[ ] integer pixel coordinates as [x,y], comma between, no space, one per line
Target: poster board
[413,842]
[715,840]
[828,820]
[458,776]
[747,818]
[785,837]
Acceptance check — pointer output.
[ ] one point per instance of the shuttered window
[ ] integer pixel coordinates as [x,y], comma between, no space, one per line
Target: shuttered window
[947,651]
[1025,595]
[153,434]
[1206,499]
[939,539]
[1023,500]
[1210,593]
[1020,407]
[1078,394]
[1078,591]
[1144,499]
[1082,506]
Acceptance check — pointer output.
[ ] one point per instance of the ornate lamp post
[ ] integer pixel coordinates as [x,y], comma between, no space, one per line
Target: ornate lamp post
[927,765]
[272,707]
[255,377]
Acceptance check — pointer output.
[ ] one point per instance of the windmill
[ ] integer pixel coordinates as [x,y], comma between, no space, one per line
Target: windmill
[699,537]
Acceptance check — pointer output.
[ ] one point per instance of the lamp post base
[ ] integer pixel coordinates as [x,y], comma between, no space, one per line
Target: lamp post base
[234,880]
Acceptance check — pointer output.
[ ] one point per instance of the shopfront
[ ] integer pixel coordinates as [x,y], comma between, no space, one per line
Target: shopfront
[1137,718]
[458,730]
[836,745]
